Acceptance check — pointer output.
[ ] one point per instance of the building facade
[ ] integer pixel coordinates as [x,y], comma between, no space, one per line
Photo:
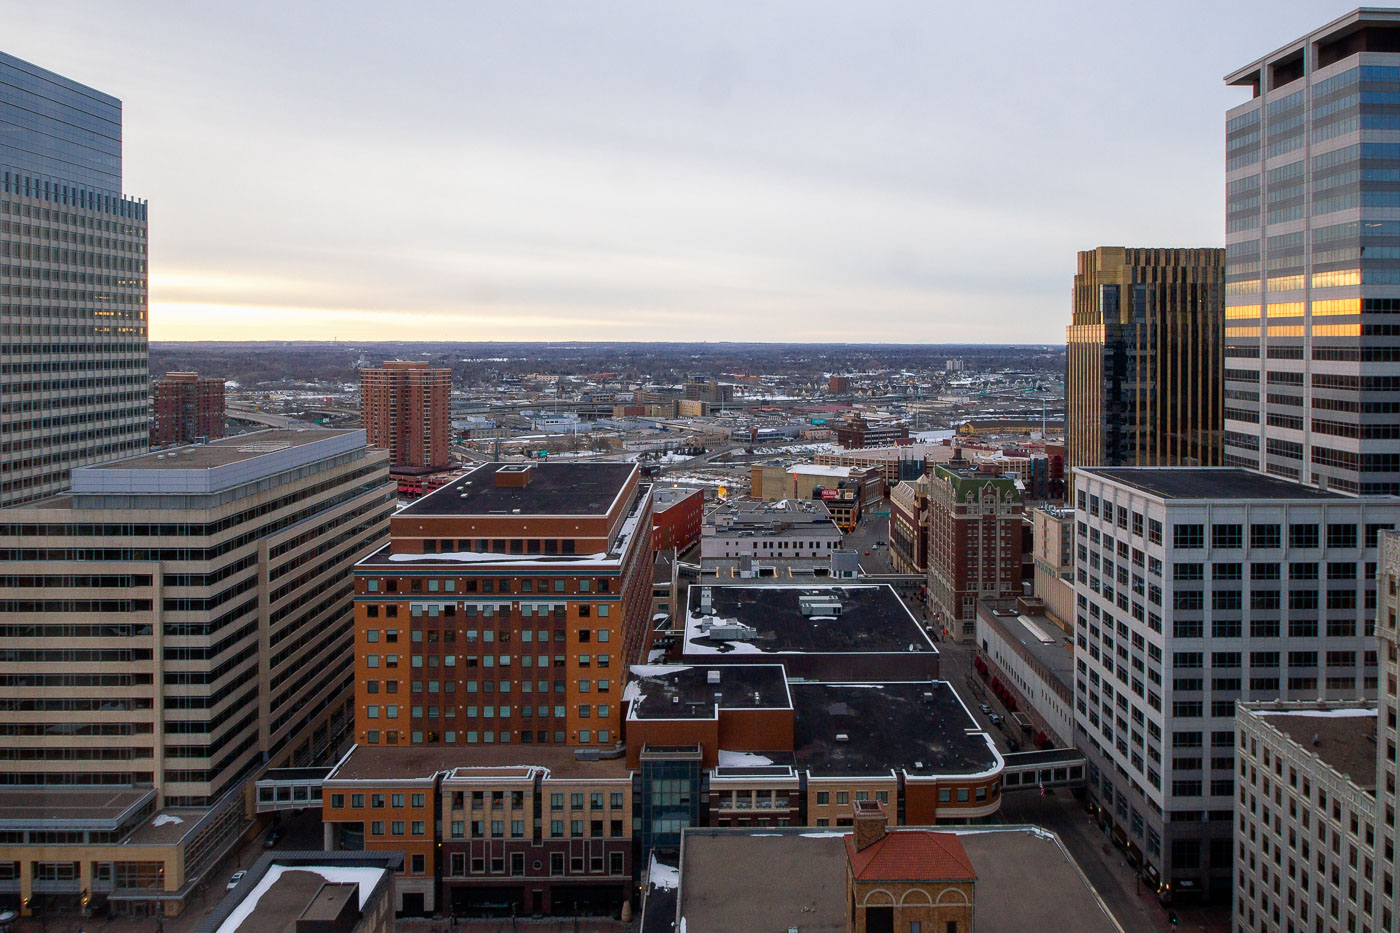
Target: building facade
[73,279]
[1197,589]
[187,408]
[407,410]
[1315,816]
[506,608]
[1143,381]
[1052,542]
[974,544]
[855,432]
[676,518]
[178,622]
[1312,374]
[909,516]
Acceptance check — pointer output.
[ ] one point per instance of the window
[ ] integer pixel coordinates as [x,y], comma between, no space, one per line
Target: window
[1185,537]
[1227,536]
[1303,536]
[1265,536]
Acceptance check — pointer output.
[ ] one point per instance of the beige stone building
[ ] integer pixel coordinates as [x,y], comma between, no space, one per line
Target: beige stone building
[174,625]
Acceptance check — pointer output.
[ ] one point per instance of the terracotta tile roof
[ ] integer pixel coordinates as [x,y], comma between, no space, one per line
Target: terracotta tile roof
[911,855]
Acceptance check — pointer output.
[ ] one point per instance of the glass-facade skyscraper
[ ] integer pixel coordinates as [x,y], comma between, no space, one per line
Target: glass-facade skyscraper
[1312,355]
[74,386]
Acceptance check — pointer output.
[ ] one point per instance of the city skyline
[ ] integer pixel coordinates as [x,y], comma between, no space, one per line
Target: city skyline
[716,174]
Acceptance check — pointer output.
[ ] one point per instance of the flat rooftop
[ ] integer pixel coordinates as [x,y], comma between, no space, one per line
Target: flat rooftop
[223,451]
[872,619]
[921,728]
[1209,483]
[422,762]
[1346,738]
[1030,632]
[554,489]
[71,807]
[218,465]
[1026,880]
[682,691]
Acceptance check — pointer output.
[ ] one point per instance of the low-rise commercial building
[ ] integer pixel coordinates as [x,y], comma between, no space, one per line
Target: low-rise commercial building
[782,539]
[856,431]
[482,831]
[1034,661]
[832,632]
[874,878]
[311,892]
[771,750]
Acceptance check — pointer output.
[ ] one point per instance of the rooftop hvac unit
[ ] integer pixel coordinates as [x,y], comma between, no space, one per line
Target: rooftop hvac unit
[731,630]
[712,677]
[842,737]
[819,605]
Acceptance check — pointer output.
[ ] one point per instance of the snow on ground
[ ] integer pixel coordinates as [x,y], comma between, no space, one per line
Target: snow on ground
[663,876]
[165,819]
[728,759]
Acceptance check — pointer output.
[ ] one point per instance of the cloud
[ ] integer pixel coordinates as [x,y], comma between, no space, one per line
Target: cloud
[612,170]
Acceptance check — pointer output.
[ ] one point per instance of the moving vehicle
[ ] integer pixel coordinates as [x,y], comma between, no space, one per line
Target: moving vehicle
[237,877]
[986,710]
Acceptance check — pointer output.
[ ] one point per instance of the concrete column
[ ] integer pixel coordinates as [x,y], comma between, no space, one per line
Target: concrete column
[328,836]
[26,886]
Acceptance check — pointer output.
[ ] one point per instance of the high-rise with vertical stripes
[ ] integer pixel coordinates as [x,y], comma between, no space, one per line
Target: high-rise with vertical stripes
[1312,330]
[73,374]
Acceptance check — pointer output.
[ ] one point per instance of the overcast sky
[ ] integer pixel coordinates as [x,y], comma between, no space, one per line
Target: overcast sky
[809,171]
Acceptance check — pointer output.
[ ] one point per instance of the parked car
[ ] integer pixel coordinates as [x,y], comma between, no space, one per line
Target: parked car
[986,710]
[996,719]
[271,839]
[237,877]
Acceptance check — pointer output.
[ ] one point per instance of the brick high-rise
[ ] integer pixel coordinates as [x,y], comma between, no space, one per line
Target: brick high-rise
[407,410]
[974,543]
[186,408]
[506,609]
[72,285]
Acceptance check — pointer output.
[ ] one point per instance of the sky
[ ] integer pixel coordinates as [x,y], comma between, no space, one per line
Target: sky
[588,170]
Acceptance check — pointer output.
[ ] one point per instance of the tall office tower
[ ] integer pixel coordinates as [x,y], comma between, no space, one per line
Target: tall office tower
[407,410]
[974,542]
[72,285]
[1312,374]
[1143,386]
[1197,588]
[186,408]
[506,609]
[179,621]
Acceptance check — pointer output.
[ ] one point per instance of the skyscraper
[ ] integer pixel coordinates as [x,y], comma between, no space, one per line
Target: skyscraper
[1312,369]
[407,410]
[187,408]
[72,284]
[1144,358]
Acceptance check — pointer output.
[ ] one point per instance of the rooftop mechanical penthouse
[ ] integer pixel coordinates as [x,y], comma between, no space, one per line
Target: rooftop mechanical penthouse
[506,609]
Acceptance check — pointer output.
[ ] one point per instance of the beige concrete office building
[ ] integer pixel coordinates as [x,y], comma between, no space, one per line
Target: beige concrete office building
[178,622]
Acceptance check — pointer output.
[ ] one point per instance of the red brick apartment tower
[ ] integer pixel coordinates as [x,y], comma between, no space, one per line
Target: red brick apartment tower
[407,410]
[506,609]
[187,407]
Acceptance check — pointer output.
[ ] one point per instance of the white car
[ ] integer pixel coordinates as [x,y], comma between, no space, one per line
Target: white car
[237,877]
